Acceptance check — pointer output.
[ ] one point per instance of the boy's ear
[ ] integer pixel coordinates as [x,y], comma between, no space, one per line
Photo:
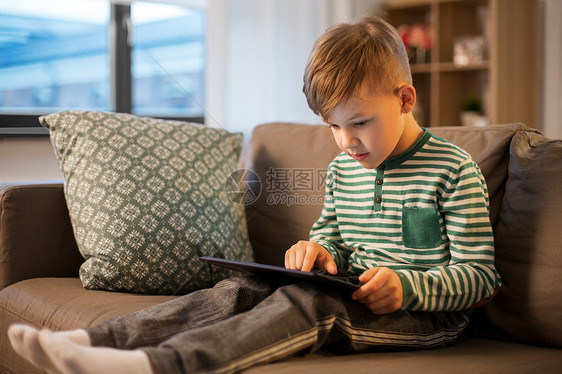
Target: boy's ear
[407,95]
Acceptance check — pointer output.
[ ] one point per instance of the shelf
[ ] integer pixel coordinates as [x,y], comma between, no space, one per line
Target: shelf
[407,4]
[451,67]
[506,74]
[447,67]
[422,68]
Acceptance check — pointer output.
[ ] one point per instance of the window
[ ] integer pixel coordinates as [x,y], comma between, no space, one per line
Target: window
[168,65]
[143,57]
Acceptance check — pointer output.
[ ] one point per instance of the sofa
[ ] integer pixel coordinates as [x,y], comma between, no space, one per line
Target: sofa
[519,331]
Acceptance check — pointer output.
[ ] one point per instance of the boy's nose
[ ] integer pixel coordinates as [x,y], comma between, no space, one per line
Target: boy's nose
[348,139]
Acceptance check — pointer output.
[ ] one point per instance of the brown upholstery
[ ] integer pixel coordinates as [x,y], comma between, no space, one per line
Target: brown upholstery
[39,259]
[529,243]
[36,237]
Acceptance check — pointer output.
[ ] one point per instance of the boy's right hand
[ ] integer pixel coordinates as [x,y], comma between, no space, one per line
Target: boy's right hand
[304,255]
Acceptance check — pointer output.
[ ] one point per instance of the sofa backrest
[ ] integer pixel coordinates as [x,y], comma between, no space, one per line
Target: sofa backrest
[291,162]
[36,238]
[528,239]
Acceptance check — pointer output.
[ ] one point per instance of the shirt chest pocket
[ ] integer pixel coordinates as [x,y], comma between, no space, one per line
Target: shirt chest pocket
[421,227]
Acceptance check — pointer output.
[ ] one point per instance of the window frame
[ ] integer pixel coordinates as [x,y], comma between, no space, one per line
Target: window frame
[120,52]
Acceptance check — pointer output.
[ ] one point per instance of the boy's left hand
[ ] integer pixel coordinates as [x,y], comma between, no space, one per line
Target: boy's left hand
[382,292]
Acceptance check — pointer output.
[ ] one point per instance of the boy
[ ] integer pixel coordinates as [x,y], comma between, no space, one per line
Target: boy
[406,211]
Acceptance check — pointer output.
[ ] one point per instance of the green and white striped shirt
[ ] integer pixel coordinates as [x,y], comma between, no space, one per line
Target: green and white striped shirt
[423,214]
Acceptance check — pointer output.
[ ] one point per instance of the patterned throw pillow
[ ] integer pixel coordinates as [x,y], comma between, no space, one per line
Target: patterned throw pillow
[146,199]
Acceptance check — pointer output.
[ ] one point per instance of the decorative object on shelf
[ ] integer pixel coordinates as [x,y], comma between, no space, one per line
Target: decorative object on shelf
[469,49]
[471,114]
[418,39]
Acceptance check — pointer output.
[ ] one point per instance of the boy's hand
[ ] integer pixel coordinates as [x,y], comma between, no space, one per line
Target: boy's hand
[304,255]
[382,292]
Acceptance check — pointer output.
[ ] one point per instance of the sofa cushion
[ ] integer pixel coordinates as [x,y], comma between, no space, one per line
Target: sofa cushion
[529,243]
[468,356]
[146,199]
[59,304]
[63,304]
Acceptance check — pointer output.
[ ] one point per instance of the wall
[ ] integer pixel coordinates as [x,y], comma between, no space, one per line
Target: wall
[27,159]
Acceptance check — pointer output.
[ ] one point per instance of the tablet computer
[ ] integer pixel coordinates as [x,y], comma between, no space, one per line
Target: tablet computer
[342,281]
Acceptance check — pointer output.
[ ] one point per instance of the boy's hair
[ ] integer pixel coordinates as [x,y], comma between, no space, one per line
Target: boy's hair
[347,55]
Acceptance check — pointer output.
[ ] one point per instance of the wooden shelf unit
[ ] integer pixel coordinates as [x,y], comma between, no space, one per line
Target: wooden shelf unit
[506,81]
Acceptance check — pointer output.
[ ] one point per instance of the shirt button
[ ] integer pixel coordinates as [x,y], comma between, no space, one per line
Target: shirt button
[381,167]
[378,199]
[379,181]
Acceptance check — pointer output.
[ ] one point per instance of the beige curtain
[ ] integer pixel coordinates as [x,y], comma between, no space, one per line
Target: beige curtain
[257,51]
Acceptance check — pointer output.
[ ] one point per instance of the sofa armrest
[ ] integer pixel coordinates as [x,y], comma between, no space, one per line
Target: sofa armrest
[36,238]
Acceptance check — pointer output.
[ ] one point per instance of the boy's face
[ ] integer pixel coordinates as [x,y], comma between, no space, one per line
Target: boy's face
[370,127]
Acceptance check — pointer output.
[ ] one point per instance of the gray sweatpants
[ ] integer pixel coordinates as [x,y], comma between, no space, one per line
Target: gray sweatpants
[246,321]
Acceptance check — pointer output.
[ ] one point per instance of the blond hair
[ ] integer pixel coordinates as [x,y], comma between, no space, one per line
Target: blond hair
[347,55]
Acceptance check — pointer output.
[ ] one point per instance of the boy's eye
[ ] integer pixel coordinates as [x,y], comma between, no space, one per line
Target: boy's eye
[358,124]
[333,126]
